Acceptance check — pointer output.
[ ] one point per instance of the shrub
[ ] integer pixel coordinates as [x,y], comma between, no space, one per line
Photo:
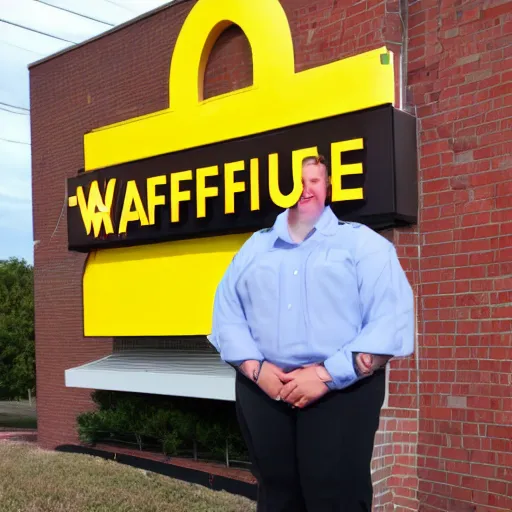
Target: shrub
[171,443]
[174,424]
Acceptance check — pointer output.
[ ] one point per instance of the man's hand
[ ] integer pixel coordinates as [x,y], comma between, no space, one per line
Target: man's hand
[270,378]
[368,363]
[305,385]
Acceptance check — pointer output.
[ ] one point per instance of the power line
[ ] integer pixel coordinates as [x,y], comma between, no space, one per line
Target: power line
[13,106]
[36,31]
[21,48]
[14,112]
[15,141]
[119,5]
[75,13]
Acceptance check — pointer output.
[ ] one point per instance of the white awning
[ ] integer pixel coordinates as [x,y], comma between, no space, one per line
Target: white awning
[163,372]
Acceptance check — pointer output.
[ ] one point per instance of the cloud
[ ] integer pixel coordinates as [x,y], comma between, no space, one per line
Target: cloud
[19,48]
[14,126]
[16,243]
[15,201]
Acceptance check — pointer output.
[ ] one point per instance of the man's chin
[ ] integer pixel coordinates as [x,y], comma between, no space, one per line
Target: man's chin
[309,210]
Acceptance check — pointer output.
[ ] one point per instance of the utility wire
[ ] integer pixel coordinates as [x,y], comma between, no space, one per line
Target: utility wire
[15,141]
[13,106]
[75,13]
[14,112]
[36,31]
[119,5]
[21,48]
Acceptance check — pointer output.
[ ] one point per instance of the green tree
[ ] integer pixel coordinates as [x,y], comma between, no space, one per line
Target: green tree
[17,351]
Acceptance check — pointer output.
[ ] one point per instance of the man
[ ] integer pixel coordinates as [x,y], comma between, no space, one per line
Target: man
[309,312]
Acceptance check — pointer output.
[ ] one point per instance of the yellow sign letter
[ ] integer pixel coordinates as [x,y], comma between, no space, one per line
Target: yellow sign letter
[177,195]
[153,198]
[128,215]
[230,186]
[202,191]
[339,170]
[273,177]
[94,211]
[255,184]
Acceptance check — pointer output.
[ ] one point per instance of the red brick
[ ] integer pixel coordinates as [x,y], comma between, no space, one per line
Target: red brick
[500,297]
[483,470]
[501,502]
[455,454]
[499,431]
[495,12]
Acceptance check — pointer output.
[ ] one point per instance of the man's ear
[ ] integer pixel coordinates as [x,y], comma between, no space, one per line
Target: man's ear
[329,194]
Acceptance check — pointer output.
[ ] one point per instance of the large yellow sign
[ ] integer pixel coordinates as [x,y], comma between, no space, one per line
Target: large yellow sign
[121,206]
[168,288]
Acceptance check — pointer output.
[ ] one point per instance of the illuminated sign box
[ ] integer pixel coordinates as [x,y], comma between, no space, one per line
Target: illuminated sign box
[168,198]
[236,186]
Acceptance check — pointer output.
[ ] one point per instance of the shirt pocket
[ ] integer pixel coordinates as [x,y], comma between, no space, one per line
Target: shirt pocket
[331,288]
[340,267]
[259,289]
[337,256]
[330,263]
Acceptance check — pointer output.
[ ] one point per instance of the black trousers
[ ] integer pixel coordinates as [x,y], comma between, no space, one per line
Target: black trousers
[315,459]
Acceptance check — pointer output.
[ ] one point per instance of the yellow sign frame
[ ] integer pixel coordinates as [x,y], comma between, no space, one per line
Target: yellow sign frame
[172,284]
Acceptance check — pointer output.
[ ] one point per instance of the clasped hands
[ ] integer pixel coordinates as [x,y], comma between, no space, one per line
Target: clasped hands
[305,385]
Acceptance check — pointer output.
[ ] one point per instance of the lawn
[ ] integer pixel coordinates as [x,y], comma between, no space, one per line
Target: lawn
[35,480]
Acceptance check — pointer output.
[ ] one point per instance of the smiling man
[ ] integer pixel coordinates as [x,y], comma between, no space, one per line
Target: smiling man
[309,312]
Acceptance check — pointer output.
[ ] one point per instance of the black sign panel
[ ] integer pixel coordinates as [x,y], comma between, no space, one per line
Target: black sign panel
[388,181]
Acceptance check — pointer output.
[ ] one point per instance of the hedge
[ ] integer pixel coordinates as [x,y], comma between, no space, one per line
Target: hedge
[172,425]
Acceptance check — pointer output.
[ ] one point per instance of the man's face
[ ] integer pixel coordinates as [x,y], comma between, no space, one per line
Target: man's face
[314,190]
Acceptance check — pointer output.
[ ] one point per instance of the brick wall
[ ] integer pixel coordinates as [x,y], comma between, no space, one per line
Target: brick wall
[439,434]
[88,87]
[459,84]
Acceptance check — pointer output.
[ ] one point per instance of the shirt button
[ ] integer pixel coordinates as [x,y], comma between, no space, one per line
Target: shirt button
[295,272]
[289,306]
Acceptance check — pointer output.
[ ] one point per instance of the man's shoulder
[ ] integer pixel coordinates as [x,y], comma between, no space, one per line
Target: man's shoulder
[256,242]
[363,236]
[354,225]
[259,235]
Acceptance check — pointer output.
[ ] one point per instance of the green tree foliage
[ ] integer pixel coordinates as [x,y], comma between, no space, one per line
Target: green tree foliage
[172,424]
[17,352]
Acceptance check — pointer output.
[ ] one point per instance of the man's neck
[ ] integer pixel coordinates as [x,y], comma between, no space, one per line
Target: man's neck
[299,226]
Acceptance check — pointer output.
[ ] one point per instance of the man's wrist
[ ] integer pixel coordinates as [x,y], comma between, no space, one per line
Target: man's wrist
[323,374]
[256,372]
[251,369]
[358,371]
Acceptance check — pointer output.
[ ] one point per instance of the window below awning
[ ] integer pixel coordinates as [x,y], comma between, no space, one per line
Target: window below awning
[163,372]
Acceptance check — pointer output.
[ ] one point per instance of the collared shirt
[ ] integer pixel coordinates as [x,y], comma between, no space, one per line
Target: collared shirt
[340,291]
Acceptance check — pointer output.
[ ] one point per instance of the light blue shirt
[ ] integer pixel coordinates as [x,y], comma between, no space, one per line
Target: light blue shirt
[342,290]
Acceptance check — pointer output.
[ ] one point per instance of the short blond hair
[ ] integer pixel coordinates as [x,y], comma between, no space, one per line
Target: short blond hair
[317,160]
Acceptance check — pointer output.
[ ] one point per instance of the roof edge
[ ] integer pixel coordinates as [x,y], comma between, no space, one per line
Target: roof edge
[145,15]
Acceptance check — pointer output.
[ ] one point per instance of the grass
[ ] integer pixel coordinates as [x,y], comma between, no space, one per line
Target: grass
[35,480]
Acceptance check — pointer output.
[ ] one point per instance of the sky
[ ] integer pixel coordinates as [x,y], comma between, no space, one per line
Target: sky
[18,48]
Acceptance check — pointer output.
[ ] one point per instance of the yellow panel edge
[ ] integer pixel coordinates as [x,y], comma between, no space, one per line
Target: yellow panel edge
[340,87]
